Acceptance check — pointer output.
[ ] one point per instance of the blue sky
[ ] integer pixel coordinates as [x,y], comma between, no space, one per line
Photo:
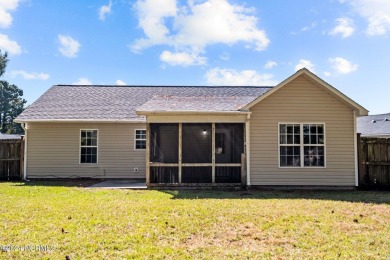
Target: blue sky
[208,42]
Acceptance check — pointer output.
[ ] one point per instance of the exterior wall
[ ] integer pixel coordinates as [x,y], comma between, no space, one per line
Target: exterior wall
[54,148]
[302,102]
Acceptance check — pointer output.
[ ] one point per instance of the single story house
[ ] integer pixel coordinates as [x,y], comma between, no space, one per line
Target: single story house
[374,126]
[301,132]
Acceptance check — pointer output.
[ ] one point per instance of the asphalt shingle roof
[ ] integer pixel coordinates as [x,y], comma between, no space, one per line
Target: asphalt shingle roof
[71,102]
[203,104]
[9,137]
[374,125]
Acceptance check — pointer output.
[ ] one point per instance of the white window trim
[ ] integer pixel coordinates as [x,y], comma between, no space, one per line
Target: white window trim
[302,145]
[97,147]
[135,140]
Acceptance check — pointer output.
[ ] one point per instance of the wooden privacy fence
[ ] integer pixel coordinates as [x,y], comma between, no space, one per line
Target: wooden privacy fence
[374,161]
[11,159]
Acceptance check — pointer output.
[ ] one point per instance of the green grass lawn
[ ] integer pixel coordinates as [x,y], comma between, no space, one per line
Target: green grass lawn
[92,223]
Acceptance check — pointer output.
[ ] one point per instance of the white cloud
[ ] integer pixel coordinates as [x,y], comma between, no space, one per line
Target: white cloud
[306,28]
[309,27]
[378,25]
[345,27]
[8,45]
[82,81]
[230,77]
[376,12]
[327,74]
[342,65]
[151,18]
[270,64]
[120,82]
[195,25]
[7,6]
[104,10]
[29,75]
[182,58]
[224,56]
[305,64]
[69,47]
[216,21]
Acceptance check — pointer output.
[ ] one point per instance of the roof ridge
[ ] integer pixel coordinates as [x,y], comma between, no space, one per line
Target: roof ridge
[203,96]
[384,114]
[159,86]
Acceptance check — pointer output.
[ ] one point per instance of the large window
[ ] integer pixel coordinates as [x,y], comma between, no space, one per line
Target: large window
[88,146]
[140,139]
[302,145]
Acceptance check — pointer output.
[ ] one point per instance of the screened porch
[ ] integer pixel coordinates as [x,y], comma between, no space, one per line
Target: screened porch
[191,154]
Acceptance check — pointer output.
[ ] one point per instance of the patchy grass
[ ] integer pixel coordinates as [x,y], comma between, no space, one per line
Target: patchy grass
[92,223]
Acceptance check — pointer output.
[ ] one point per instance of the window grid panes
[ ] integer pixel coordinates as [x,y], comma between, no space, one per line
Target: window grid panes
[314,153]
[140,139]
[314,156]
[88,146]
[301,145]
[313,134]
[290,139]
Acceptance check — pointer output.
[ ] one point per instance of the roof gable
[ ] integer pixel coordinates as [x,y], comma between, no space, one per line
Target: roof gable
[319,82]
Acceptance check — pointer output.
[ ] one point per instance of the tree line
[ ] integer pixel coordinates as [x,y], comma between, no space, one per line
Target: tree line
[11,101]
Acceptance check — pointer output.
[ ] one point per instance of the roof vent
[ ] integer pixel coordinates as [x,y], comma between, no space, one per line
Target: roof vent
[386,119]
[373,121]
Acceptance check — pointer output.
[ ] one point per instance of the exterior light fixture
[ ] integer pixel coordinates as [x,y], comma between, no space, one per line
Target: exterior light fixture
[204,132]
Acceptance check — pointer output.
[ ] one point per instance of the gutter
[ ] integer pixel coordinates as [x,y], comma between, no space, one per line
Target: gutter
[146,113]
[248,151]
[355,147]
[127,121]
[78,121]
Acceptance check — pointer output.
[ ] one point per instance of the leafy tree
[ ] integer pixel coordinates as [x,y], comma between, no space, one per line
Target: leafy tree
[3,62]
[11,102]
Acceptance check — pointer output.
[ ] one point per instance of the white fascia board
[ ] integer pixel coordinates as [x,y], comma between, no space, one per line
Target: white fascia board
[78,121]
[146,113]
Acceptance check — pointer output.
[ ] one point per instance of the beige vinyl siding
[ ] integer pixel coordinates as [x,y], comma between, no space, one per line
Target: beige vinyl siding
[54,151]
[302,102]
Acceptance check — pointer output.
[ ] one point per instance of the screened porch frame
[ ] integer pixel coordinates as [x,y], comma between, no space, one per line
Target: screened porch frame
[213,164]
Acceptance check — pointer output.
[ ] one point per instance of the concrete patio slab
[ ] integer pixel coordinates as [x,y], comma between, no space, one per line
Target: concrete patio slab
[120,184]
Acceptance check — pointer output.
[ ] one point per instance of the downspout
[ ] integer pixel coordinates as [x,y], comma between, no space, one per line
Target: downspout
[355,148]
[247,146]
[24,126]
